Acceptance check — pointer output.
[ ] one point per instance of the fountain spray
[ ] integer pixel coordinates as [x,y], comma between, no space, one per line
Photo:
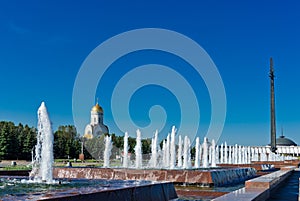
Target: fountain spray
[42,164]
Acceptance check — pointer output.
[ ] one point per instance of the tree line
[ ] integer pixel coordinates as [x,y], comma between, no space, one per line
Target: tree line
[17,142]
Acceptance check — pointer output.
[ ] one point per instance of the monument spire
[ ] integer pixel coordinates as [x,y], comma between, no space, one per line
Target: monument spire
[273,122]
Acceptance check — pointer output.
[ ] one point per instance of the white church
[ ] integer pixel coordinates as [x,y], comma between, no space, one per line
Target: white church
[96,127]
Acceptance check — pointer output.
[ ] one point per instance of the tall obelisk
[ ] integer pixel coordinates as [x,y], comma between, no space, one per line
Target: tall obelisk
[273,122]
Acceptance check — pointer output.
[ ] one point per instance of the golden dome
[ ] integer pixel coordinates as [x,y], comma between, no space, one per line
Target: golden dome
[97,108]
[88,136]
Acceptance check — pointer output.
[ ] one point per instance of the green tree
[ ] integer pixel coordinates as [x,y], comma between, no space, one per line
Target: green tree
[13,143]
[146,146]
[131,144]
[8,141]
[118,141]
[193,152]
[66,142]
[4,141]
[29,142]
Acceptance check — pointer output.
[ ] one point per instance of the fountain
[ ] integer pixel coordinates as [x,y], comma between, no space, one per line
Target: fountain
[164,154]
[205,171]
[186,153]
[197,154]
[209,154]
[249,155]
[230,155]
[235,154]
[154,150]
[205,153]
[179,152]
[214,165]
[222,154]
[213,158]
[167,152]
[138,150]
[245,156]
[225,153]
[239,154]
[173,149]
[42,186]
[125,151]
[217,154]
[43,160]
[107,151]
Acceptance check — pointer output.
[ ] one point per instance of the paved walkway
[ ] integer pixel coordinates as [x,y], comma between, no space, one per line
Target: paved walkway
[5,163]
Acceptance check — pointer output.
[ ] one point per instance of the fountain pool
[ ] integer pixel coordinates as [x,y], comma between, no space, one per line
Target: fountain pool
[18,188]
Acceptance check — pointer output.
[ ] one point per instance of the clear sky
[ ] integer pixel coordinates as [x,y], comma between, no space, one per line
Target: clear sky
[44,44]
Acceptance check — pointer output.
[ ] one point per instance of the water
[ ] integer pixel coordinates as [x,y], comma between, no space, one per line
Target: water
[230,155]
[163,163]
[199,193]
[225,153]
[173,149]
[186,153]
[213,157]
[18,188]
[205,153]
[235,154]
[43,161]
[209,154]
[249,155]
[217,155]
[197,154]
[179,152]
[107,151]
[138,150]
[222,154]
[289,190]
[154,150]
[224,177]
[125,151]
[167,152]
[239,154]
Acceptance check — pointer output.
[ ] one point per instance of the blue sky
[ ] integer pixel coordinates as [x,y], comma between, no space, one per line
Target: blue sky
[43,45]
